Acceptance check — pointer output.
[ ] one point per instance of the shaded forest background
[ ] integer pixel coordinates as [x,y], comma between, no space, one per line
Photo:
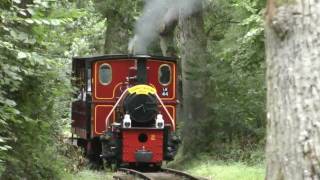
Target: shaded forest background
[38,38]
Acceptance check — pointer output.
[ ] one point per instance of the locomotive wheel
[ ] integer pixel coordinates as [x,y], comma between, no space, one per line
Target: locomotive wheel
[93,154]
[115,165]
[82,144]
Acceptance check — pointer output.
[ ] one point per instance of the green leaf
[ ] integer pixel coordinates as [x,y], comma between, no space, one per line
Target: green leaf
[30,21]
[13,34]
[5,147]
[22,55]
[55,22]
[46,22]
[10,102]
[23,12]
[17,1]
[39,22]
[31,11]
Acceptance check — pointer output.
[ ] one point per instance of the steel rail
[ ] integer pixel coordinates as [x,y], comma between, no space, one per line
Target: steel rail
[135,173]
[179,173]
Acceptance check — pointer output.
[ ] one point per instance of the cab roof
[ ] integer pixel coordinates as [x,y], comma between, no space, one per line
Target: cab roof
[124,56]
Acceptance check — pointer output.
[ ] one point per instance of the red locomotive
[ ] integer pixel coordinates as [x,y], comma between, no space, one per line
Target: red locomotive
[125,111]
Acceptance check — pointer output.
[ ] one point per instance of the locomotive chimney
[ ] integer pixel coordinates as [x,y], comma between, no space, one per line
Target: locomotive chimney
[142,71]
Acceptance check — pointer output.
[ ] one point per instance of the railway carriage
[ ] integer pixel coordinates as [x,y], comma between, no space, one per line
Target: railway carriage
[125,108]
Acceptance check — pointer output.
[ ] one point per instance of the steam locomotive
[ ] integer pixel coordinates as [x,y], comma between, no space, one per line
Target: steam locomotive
[124,112]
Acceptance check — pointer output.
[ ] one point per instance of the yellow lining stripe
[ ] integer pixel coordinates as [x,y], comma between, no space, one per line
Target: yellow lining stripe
[95,116]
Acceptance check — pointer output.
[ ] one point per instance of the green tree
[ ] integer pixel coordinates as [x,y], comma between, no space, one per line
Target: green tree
[237,69]
[37,41]
[194,57]
[120,19]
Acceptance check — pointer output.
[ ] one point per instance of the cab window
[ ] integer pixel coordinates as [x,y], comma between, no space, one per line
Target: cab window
[164,74]
[105,74]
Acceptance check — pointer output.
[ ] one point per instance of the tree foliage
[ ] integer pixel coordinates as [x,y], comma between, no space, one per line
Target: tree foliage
[235,87]
[37,41]
[120,17]
[39,37]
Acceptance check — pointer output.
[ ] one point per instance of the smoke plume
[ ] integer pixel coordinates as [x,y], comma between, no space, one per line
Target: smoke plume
[156,14]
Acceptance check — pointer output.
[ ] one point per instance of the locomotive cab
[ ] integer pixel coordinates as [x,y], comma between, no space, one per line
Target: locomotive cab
[126,110]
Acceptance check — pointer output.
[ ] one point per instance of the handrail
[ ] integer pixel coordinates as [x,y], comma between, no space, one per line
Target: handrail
[166,110]
[114,107]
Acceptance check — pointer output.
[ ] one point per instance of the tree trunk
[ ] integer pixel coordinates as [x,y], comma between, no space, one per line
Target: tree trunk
[293,95]
[193,45]
[119,23]
[116,36]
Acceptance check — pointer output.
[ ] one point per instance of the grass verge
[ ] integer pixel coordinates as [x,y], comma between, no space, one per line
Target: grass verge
[226,171]
[90,175]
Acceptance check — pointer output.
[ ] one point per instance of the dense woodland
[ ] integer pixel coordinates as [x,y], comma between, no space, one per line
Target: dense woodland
[223,77]
[39,38]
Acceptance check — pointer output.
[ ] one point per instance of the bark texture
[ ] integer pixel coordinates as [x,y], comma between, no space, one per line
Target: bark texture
[193,45]
[167,32]
[116,36]
[119,24]
[293,95]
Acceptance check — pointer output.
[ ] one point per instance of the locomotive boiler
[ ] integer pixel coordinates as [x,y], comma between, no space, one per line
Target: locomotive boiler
[125,109]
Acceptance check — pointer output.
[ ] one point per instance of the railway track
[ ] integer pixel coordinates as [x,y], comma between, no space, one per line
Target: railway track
[162,174]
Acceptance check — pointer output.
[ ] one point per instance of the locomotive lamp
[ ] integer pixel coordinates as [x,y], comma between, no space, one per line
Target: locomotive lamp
[127,121]
[159,121]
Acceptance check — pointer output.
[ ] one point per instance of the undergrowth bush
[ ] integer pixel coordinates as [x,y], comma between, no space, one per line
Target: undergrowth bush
[37,40]
[249,155]
[210,169]
[76,160]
